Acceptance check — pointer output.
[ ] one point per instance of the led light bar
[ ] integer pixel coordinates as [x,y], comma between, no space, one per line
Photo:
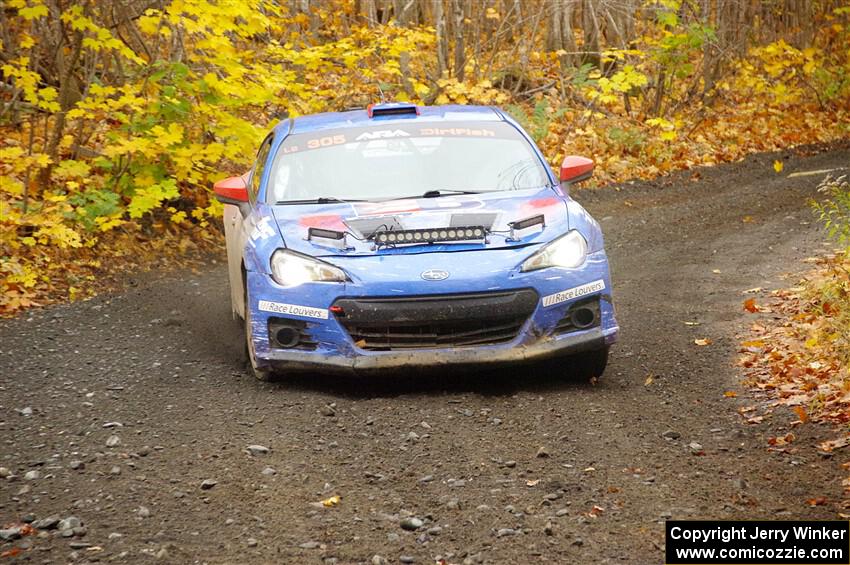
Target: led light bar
[431,235]
[325,234]
[527,222]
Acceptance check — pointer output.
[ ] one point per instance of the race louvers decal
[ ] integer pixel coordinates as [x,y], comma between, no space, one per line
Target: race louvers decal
[293,310]
[575,292]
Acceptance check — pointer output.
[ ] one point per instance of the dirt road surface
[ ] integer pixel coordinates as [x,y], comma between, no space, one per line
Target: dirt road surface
[116,410]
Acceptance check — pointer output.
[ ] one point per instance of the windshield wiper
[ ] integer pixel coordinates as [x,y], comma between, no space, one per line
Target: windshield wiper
[433,194]
[444,192]
[319,200]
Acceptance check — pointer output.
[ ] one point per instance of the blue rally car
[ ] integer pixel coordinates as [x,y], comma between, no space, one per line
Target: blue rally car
[411,236]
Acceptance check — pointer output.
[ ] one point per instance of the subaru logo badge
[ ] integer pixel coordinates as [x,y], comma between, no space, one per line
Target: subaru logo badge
[435,275]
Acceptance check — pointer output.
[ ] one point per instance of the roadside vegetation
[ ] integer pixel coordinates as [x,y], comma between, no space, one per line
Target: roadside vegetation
[804,354]
[800,355]
[117,116]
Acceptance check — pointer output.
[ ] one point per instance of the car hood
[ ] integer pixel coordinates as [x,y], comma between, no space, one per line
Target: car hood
[494,210]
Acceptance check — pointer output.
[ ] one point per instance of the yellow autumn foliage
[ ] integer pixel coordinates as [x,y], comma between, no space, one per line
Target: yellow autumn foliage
[163,103]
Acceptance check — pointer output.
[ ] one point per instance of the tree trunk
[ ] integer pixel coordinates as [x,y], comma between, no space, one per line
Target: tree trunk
[404,10]
[369,12]
[384,13]
[710,58]
[66,99]
[554,33]
[568,42]
[459,55]
[442,40]
[590,23]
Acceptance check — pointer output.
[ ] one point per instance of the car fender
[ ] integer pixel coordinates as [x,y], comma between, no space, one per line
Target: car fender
[263,238]
[581,220]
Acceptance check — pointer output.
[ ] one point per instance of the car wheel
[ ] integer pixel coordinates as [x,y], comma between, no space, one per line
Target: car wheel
[260,373]
[589,364]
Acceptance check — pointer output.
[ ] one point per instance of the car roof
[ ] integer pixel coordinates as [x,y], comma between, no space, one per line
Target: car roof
[361,118]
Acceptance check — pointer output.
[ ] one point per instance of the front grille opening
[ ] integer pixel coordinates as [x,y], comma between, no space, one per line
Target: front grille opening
[286,333]
[424,322]
[582,315]
[435,334]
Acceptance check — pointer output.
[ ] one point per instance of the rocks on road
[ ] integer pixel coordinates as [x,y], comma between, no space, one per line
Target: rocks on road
[411,524]
[132,414]
[257,449]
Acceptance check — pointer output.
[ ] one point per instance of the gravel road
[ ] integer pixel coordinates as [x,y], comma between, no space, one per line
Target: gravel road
[129,417]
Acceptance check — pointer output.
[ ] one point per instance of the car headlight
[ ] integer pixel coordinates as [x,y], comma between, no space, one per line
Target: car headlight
[568,251]
[292,269]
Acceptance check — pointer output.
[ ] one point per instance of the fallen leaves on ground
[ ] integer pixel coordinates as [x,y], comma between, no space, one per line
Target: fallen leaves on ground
[800,357]
[751,306]
[702,341]
[781,440]
[833,444]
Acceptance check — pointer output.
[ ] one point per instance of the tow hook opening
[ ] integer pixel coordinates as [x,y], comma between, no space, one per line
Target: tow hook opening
[583,317]
[287,336]
[286,333]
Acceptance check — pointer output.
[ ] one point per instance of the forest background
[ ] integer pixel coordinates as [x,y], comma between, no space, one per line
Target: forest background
[117,116]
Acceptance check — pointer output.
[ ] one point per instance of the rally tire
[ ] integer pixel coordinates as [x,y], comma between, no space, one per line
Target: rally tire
[589,365]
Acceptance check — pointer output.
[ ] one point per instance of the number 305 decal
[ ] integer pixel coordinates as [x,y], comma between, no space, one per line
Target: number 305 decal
[326,141]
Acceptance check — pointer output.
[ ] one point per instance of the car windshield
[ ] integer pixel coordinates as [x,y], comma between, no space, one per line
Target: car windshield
[387,161]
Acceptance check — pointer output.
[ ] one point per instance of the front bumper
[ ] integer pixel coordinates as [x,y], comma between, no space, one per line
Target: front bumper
[436,358]
[541,335]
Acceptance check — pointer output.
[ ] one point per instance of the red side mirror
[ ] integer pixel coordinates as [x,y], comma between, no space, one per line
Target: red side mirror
[233,190]
[575,169]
